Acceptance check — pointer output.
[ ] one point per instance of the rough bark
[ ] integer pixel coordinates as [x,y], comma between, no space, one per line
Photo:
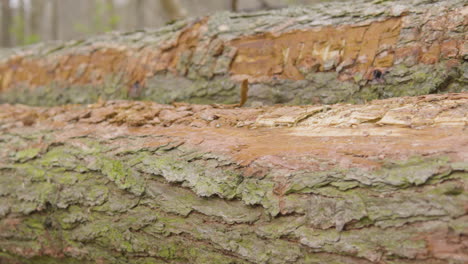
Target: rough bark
[138,182]
[325,53]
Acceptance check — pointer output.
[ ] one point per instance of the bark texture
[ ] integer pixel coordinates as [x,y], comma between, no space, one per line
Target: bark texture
[326,53]
[139,182]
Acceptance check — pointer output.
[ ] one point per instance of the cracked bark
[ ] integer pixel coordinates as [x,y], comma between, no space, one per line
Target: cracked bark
[139,182]
[324,53]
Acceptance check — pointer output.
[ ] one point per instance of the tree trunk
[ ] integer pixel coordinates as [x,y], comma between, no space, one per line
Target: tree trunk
[38,9]
[20,24]
[234,5]
[140,14]
[174,9]
[54,19]
[6,23]
[138,182]
[326,53]
[112,14]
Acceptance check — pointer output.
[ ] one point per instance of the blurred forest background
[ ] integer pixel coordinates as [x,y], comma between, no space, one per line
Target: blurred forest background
[26,22]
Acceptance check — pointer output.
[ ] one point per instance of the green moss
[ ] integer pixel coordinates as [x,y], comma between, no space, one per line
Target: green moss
[117,238]
[113,169]
[149,261]
[345,185]
[168,251]
[59,157]
[42,260]
[365,243]
[99,211]
[254,191]
[72,217]
[311,258]
[33,172]
[454,190]
[123,177]
[393,174]
[36,223]
[37,195]
[207,83]
[420,77]
[415,171]
[203,176]
[116,202]
[280,227]
[27,154]
[195,89]
[91,231]
[96,195]
[66,177]
[361,223]
[60,93]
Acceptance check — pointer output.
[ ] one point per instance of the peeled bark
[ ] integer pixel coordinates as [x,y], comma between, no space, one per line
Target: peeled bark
[325,53]
[139,182]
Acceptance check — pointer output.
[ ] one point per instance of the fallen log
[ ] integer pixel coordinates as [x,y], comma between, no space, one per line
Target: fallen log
[325,53]
[140,182]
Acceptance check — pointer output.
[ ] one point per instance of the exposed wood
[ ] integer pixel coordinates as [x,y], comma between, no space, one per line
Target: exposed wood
[319,54]
[119,181]
[138,182]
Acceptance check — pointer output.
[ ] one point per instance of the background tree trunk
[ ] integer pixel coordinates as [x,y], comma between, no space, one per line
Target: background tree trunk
[6,23]
[20,25]
[140,14]
[234,5]
[38,10]
[320,54]
[174,9]
[54,23]
[138,182]
[112,14]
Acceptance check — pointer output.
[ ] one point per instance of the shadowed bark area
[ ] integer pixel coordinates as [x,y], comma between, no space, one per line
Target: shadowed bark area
[140,182]
[325,53]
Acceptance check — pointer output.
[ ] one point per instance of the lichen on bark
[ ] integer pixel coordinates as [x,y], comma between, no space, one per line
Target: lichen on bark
[138,182]
[317,54]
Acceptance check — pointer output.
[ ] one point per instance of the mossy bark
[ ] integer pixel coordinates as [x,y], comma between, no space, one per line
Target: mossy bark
[138,182]
[326,53]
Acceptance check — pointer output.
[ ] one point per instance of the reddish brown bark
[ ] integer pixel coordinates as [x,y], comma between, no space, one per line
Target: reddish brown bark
[128,182]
